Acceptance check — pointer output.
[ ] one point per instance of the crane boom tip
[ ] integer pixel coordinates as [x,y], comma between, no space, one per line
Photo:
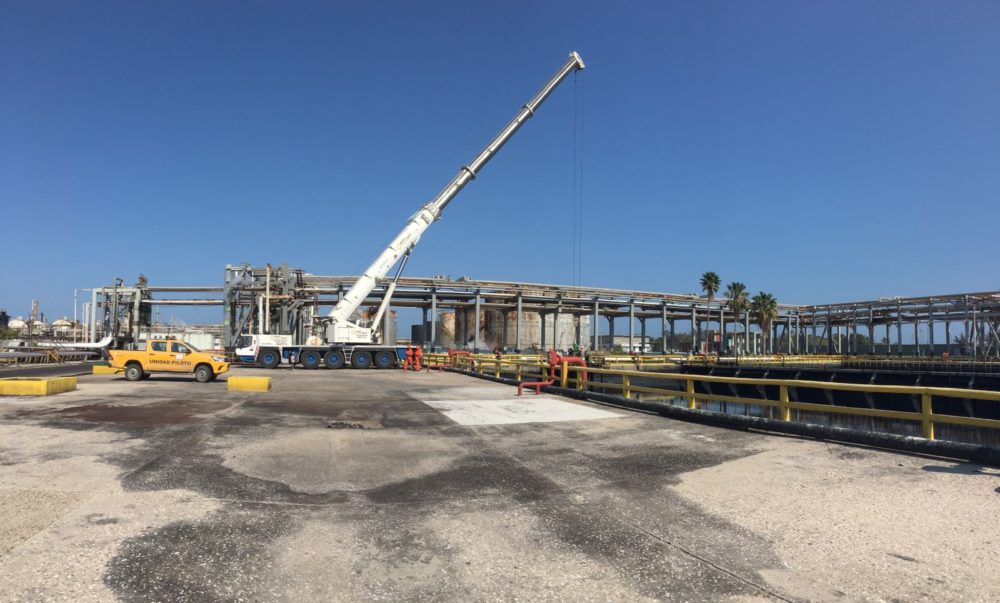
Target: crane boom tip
[579,61]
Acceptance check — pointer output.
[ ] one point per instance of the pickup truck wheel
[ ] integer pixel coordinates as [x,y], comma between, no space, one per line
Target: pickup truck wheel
[361,359]
[270,358]
[203,374]
[384,360]
[310,359]
[334,359]
[133,372]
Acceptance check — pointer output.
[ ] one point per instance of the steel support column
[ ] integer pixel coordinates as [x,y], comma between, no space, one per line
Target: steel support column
[434,314]
[475,333]
[611,332]
[631,327]
[642,335]
[597,324]
[663,328]
[517,325]
[694,330]
[899,330]
[930,331]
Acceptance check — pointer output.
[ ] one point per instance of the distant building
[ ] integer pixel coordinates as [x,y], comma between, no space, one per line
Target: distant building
[640,344]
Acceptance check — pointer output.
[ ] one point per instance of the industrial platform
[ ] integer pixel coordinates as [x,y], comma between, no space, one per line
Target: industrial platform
[383,485]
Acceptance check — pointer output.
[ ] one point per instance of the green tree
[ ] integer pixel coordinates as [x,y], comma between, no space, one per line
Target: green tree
[764,308]
[710,283]
[736,293]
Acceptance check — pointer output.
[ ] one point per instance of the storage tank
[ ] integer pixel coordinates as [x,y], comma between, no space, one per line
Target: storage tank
[445,330]
[561,334]
[492,328]
[62,327]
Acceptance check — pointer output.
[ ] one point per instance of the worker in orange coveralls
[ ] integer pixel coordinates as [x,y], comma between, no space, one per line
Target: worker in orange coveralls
[418,354]
[408,363]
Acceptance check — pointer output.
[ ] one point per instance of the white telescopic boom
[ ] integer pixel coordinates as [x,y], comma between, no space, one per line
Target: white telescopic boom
[431,211]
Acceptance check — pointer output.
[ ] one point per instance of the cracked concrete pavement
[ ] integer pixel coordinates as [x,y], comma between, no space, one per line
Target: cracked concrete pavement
[383,485]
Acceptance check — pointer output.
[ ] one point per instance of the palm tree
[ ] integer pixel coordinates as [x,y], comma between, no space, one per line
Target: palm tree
[765,309]
[736,292]
[710,283]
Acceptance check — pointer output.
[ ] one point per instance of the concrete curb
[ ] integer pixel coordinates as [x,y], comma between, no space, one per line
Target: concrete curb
[957,450]
[36,386]
[249,384]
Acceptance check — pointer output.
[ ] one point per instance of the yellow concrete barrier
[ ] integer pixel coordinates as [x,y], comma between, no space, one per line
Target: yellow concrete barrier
[36,386]
[106,370]
[249,384]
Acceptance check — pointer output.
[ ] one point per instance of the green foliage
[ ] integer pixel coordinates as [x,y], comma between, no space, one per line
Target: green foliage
[764,307]
[710,283]
[736,292]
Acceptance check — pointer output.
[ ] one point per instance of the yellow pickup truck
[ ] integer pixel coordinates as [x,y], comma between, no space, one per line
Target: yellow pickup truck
[168,356]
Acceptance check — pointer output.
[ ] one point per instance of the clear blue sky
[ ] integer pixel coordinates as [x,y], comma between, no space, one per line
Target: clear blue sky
[820,151]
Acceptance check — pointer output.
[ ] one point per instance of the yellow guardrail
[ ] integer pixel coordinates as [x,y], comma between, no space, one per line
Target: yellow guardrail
[872,362]
[568,375]
[639,361]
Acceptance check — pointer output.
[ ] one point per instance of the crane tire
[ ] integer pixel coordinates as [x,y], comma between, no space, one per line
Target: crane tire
[361,359]
[310,359]
[334,359]
[384,359]
[270,358]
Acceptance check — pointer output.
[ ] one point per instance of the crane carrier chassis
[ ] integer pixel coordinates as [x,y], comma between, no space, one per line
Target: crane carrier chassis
[273,350]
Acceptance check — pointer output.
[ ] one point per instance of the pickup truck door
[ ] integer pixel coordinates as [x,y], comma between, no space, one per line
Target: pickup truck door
[179,354]
[159,358]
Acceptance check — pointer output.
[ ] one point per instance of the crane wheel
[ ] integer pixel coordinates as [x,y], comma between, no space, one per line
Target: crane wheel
[361,359]
[334,359]
[384,360]
[310,359]
[270,358]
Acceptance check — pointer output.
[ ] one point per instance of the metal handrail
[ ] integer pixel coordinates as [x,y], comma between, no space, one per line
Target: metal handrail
[570,375]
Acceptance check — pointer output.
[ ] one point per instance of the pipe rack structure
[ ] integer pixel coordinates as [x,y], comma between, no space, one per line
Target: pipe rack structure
[970,321]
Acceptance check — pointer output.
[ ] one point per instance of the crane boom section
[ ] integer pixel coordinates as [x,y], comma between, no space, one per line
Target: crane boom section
[431,211]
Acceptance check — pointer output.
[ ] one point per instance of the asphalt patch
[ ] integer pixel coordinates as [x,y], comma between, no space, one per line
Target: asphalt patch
[149,414]
[223,557]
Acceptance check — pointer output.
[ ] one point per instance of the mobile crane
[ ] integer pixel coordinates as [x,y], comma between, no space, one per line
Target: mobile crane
[338,340]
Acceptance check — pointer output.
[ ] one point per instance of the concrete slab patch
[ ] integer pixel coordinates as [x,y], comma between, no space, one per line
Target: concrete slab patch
[325,460]
[518,410]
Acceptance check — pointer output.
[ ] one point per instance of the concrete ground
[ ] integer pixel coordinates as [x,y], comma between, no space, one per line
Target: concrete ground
[380,485]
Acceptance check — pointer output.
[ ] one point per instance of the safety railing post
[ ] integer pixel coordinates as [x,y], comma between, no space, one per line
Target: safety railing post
[564,374]
[692,402]
[497,371]
[517,372]
[926,409]
[786,412]
[626,387]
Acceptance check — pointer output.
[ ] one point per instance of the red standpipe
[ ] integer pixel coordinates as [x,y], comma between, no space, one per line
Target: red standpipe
[555,360]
